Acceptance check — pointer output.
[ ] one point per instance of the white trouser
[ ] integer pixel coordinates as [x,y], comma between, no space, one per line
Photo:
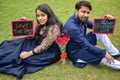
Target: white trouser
[105,41]
[115,65]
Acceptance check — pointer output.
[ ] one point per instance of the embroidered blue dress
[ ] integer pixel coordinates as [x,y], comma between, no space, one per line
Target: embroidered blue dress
[82,45]
[11,63]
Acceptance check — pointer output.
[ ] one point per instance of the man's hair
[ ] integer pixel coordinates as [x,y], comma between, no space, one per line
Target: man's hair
[79,4]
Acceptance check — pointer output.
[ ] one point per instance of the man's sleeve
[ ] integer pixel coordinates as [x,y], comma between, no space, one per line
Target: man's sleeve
[82,41]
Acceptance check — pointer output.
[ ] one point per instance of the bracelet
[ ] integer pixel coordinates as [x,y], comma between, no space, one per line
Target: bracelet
[34,52]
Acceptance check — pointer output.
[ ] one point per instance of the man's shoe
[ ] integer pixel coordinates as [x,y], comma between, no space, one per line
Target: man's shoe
[117,56]
[115,65]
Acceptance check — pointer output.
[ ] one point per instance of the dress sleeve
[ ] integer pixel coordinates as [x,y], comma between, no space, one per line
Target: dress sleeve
[53,33]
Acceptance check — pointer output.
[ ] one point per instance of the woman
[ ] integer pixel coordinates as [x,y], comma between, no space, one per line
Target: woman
[25,55]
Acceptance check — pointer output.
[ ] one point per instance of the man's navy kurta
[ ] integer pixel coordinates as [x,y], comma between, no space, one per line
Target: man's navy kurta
[81,45]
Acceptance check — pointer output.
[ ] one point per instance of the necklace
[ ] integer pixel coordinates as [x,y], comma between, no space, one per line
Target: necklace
[42,30]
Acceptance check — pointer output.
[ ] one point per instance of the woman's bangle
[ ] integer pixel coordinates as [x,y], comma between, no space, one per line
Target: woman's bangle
[34,52]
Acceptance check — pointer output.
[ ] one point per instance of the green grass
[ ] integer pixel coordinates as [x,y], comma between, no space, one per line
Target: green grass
[14,9]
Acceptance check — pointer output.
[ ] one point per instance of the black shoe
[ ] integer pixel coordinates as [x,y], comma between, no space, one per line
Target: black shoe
[117,56]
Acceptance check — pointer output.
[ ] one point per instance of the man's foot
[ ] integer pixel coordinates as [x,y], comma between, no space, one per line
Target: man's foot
[115,65]
[117,56]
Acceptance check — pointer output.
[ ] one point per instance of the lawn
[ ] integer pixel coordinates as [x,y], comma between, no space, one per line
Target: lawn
[14,9]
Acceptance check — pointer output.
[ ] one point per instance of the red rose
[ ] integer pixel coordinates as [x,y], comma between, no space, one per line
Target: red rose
[62,40]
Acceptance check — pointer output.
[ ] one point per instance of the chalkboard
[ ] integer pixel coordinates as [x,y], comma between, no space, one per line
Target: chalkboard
[103,26]
[22,28]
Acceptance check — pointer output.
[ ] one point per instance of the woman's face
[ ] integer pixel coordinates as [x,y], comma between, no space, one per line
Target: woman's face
[41,17]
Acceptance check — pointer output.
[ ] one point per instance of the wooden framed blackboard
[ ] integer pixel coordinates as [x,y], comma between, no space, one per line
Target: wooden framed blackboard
[22,28]
[103,26]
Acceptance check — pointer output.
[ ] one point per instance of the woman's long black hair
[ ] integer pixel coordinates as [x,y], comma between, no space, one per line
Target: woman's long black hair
[52,20]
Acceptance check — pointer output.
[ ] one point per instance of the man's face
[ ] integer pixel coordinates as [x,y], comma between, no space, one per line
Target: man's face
[83,14]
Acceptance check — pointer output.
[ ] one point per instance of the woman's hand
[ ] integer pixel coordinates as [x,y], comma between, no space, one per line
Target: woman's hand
[25,54]
[109,58]
[23,18]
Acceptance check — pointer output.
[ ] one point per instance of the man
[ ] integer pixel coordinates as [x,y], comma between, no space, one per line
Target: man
[81,48]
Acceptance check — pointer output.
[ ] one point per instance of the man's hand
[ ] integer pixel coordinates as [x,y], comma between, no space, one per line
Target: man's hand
[109,17]
[109,58]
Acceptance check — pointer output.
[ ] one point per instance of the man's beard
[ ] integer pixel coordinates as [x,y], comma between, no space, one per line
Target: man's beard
[82,20]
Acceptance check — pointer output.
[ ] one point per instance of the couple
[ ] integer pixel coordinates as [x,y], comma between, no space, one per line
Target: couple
[26,55]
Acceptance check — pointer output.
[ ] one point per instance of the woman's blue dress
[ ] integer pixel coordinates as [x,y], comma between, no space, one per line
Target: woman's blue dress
[11,63]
